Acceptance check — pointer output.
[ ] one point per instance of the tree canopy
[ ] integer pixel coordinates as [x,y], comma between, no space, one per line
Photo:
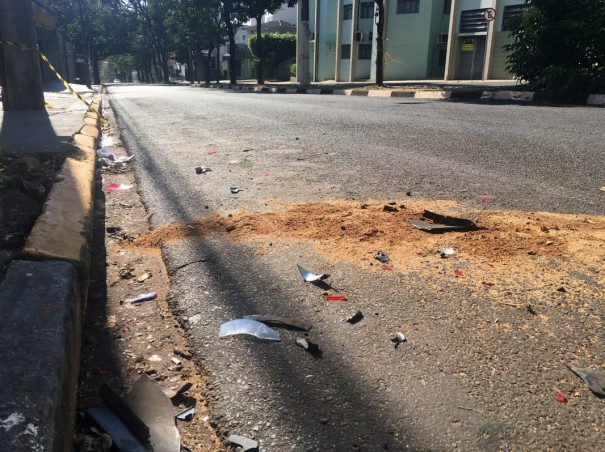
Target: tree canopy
[560,47]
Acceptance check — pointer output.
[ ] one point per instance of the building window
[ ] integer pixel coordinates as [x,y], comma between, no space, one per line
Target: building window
[345,52]
[347,12]
[366,10]
[447,6]
[512,13]
[364,52]
[473,21]
[408,6]
[442,57]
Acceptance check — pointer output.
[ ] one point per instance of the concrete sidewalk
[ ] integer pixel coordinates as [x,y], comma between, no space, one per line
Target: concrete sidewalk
[43,292]
[462,90]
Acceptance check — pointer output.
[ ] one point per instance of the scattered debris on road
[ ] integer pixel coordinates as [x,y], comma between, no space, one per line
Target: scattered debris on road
[142,297]
[310,347]
[280,321]
[443,223]
[234,189]
[201,169]
[308,276]
[186,415]
[355,318]
[336,298]
[398,339]
[446,251]
[248,329]
[594,378]
[560,397]
[246,444]
[110,188]
[382,257]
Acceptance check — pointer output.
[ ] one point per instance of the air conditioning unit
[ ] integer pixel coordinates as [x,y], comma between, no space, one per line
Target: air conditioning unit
[442,38]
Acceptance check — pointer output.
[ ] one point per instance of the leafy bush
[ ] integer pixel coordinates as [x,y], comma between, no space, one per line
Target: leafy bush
[293,70]
[277,47]
[560,47]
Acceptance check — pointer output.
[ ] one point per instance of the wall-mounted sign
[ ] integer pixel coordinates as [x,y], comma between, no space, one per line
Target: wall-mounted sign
[489,14]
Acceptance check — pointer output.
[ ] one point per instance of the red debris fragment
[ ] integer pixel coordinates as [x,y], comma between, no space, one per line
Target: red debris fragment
[266,174]
[560,397]
[387,268]
[212,152]
[483,199]
[458,273]
[336,298]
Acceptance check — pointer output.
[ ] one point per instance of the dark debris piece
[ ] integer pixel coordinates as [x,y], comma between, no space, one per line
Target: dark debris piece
[594,378]
[382,257]
[355,318]
[247,444]
[388,208]
[310,347]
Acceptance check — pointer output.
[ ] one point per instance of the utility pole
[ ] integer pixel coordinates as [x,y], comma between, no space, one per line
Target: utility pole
[302,43]
[21,76]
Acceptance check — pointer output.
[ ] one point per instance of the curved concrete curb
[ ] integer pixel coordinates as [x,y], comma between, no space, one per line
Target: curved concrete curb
[64,229]
[498,96]
[42,302]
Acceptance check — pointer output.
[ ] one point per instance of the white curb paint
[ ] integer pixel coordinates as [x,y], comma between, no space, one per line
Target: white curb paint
[432,94]
[596,99]
[380,93]
[523,96]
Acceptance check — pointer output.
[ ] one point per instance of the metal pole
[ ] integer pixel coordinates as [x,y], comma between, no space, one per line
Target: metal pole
[302,40]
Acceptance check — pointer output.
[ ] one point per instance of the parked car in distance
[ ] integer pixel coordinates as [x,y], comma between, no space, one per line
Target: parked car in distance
[116,80]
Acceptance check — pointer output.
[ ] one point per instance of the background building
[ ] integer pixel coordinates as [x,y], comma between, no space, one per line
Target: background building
[417,44]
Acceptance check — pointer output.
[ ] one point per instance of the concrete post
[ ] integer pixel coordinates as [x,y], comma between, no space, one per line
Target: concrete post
[354,44]
[451,40]
[489,45]
[302,43]
[338,42]
[21,75]
[316,42]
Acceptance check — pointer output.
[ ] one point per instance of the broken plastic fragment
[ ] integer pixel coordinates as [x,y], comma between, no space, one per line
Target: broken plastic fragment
[458,273]
[248,328]
[382,257]
[280,321]
[594,378]
[186,415]
[308,276]
[446,251]
[234,189]
[336,298]
[310,347]
[560,397]
[114,427]
[143,297]
[247,444]
[117,187]
[201,169]
[355,318]
[398,338]
[443,223]
[387,268]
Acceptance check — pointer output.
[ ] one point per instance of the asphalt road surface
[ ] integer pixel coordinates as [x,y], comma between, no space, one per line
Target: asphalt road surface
[449,387]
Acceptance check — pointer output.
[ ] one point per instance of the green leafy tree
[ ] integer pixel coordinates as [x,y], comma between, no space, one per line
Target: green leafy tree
[277,47]
[560,47]
[256,9]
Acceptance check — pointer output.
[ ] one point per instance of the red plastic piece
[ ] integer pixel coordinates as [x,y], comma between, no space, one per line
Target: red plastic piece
[458,273]
[212,152]
[560,397]
[387,268]
[336,298]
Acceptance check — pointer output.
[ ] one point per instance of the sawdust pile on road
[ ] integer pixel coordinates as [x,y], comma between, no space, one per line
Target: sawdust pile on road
[535,249]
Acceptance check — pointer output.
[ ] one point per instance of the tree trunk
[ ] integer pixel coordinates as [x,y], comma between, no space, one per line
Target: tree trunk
[380,44]
[207,62]
[232,61]
[96,76]
[259,48]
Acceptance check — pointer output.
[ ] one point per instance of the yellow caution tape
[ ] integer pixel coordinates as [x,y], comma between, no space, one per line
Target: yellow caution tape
[51,67]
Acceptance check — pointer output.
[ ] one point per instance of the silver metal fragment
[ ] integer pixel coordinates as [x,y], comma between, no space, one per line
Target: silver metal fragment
[308,276]
[248,329]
